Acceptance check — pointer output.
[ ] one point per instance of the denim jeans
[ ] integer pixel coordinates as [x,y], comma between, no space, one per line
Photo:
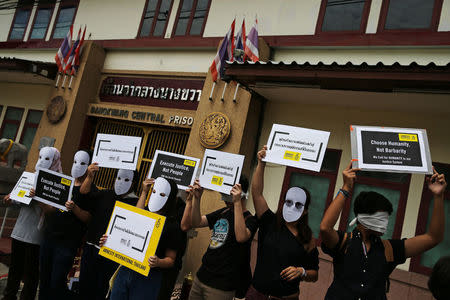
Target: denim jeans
[56,260]
[130,285]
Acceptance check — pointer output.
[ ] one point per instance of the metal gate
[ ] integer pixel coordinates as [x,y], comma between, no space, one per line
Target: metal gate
[153,138]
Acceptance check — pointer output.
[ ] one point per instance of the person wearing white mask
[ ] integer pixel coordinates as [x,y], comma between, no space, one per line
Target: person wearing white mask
[63,233]
[362,260]
[287,252]
[95,270]
[27,236]
[129,284]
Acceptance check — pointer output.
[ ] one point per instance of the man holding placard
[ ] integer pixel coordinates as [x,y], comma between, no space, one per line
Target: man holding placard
[63,233]
[95,270]
[224,263]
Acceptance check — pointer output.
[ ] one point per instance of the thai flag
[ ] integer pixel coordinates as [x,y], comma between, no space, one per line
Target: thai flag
[225,53]
[240,42]
[76,62]
[251,45]
[72,53]
[63,51]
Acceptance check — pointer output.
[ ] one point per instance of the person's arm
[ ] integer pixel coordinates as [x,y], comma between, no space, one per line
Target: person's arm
[435,234]
[259,201]
[85,188]
[292,273]
[329,236]
[146,184]
[197,220]
[164,263]
[241,231]
[80,213]
[186,220]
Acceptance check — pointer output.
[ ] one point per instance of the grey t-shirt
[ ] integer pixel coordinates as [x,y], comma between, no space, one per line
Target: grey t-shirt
[27,227]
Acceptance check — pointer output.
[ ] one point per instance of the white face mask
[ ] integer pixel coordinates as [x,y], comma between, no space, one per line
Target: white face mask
[294,204]
[377,222]
[123,183]
[80,164]
[160,194]
[45,158]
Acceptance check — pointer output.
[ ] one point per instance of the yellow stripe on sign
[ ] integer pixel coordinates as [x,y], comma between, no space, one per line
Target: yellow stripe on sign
[404,137]
[295,156]
[217,180]
[190,163]
[66,181]
[21,193]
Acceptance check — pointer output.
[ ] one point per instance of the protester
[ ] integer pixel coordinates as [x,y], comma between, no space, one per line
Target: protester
[170,275]
[287,252]
[233,226]
[129,284]
[27,236]
[96,270]
[362,261]
[63,234]
[439,282]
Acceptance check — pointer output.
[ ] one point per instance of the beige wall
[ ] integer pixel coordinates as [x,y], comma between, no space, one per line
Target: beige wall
[287,17]
[444,22]
[337,119]
[5,24]
[110,19]
[32,96]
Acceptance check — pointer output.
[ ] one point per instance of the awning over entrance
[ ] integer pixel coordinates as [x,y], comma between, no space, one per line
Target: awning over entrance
[364,77]
[26,71]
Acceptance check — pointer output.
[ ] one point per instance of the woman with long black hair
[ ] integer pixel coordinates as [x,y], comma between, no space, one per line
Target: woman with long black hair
[287,252]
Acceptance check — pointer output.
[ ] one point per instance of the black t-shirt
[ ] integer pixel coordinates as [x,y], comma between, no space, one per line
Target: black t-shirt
[183,236]
[357,276]
[170,238]
[278,249]
[102,205]
[220,267]
[65,227]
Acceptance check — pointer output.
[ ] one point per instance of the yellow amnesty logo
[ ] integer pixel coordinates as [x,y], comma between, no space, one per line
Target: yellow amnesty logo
[408,137]
[21,193]
[190,163]
[217,180]
[66,181]
[292,155]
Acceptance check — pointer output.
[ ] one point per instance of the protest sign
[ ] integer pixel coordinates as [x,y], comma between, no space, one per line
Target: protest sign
[296,147]
[22,188]
[220,170]
[390,149]
[133,236]
[117,151]
[53,188]
[181,169]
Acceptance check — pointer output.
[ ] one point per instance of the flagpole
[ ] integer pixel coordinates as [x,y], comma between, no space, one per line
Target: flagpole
[212,90]
[235,92]
[57,80]
[223,92]
[64,82]
[70,82]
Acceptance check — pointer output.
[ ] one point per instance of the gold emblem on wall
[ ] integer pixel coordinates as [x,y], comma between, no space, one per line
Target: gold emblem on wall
[214,130]
[56,109]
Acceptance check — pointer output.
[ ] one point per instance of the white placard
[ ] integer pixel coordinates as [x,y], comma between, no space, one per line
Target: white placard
[180,168]
[220,170]
[129,233]
[117,151]
[22,188]
[389,149]
[297,147]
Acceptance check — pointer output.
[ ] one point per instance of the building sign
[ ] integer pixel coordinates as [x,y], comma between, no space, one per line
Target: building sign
[174,93]
[160,116]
